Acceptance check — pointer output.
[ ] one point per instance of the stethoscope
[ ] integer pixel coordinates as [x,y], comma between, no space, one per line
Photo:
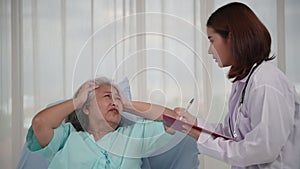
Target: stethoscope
[237,121]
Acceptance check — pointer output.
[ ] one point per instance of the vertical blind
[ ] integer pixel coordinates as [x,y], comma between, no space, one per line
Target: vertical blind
[49,47]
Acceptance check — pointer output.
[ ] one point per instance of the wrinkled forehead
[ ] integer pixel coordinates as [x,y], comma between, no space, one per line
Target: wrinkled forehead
[107,88]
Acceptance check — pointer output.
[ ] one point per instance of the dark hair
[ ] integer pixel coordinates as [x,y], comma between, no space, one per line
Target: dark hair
[78,118]
[251,41]
[72,118]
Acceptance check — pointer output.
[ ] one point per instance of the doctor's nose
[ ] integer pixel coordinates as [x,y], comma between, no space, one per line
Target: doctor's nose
[210,49]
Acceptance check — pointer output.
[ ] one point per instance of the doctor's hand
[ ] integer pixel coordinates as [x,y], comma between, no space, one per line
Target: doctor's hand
[188,118]
[185,116]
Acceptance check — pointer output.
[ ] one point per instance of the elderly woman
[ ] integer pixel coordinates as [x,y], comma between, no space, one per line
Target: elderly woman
[100,142]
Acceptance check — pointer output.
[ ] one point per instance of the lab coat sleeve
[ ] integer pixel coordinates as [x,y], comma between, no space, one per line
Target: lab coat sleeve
[271,114]
[216,127]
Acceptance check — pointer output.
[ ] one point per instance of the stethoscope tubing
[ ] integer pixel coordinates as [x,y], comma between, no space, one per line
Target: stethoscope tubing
[240,106]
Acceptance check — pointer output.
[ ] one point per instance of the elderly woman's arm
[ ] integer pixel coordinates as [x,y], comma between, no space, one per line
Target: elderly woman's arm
[44,123]
[147,110]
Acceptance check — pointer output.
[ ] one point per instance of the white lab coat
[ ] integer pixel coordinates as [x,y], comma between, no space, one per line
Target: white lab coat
[269,128]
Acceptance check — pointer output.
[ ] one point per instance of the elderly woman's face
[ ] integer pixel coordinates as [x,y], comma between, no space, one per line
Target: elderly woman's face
[106,106]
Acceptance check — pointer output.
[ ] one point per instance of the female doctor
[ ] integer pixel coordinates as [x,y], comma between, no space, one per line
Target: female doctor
[263,117]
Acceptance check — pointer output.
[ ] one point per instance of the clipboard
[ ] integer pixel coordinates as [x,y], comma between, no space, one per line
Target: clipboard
[177,125]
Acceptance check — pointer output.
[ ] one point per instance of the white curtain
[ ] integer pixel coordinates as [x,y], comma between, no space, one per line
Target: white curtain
[49,47]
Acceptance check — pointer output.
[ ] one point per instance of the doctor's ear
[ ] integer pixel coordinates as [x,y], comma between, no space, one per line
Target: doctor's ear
[229,36]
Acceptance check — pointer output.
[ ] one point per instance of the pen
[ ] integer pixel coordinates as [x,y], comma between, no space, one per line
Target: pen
[189,104]
[187,107]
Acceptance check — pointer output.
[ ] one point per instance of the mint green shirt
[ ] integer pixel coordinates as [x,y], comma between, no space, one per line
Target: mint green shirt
[121,149]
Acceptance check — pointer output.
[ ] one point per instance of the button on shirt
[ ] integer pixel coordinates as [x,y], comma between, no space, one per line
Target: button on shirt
[269,128]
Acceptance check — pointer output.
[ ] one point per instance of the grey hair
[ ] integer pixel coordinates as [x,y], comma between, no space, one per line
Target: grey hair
[78,118]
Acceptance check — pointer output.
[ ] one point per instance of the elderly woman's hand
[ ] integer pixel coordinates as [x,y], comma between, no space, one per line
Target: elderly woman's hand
[125,102]
[83,93]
